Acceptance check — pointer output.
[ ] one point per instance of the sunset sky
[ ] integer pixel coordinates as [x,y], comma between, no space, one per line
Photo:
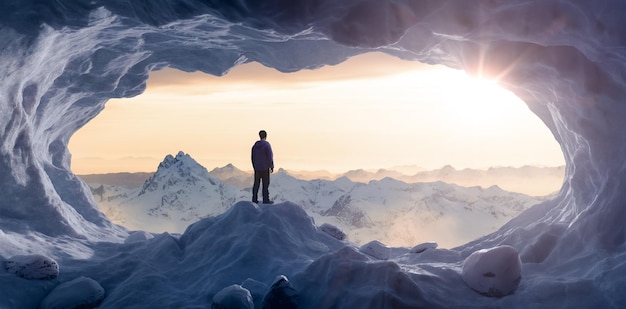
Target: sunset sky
[372,111]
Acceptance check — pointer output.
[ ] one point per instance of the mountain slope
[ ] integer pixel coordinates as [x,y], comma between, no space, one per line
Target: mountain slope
[179,193]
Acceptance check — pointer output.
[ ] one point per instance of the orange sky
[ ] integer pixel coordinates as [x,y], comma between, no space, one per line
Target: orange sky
[372,111]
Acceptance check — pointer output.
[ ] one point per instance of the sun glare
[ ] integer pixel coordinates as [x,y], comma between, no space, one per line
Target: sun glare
[480,99]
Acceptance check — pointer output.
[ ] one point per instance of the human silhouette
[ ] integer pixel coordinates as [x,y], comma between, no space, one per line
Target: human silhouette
[263,164]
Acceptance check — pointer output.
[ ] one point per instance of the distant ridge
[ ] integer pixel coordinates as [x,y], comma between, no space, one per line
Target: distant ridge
[130,180]
[531,180]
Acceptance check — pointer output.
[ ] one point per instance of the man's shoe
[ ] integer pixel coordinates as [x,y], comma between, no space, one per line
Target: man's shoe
[256,202]
[268,202]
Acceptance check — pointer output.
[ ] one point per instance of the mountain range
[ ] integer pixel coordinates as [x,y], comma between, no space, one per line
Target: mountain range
[393,211]
[530,180]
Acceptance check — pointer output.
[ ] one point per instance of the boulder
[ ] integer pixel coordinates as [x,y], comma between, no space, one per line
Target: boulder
[33,266]
[82,292]
[494,272]
[233,297]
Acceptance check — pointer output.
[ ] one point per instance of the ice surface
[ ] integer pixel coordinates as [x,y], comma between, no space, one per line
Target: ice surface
[63,61]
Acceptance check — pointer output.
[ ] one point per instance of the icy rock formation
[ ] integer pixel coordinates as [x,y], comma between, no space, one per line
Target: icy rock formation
[423,247]
[376,249]
[281,295]
[333,231]
[82,292]
[33,266]
[493,272]
[63,60]
[233,297]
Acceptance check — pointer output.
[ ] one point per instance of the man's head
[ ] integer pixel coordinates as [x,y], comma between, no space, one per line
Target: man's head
[262,134]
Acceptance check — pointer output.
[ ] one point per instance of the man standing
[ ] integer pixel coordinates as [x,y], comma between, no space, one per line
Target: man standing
[263,163]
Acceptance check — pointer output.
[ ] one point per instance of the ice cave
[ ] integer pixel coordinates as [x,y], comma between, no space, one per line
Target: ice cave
[62,61]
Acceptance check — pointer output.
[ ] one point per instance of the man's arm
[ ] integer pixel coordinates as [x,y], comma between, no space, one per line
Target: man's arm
[270,155]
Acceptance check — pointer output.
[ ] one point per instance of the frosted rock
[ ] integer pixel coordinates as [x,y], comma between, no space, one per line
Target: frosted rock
[493,272]
[423,247]
[376,249]
[138,236]
[233,297]
[333,231]
[81,292]
[281,295]
[33,266]
[257,290]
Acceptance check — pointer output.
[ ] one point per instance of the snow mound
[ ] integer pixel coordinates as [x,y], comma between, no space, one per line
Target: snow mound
[349,279]
[233,297]
[493,272]
[249,245]
[33,266]
[81,292]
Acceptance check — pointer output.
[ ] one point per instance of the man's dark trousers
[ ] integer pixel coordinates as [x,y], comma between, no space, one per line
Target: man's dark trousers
[264,177]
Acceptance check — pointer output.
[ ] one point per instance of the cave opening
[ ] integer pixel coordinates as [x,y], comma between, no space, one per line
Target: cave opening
[564,59]
[369,114]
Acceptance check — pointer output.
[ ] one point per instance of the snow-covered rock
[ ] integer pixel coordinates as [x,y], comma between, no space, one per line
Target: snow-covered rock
[423,247]
[493,272]
[281,295]
[376,249]
[33,266]
[82,292]
[333,231]
[233,297]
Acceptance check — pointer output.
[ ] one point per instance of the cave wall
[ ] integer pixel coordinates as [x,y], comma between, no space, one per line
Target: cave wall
[63,61]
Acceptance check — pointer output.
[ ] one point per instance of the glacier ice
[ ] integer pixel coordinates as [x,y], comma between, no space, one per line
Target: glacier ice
[566,59]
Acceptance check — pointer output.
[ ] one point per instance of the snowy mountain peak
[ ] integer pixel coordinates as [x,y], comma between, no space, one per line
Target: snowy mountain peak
[180,159]
[181,170]
[228,170]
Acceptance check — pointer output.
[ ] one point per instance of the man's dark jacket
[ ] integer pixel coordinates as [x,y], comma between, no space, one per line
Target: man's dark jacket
[262,156]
